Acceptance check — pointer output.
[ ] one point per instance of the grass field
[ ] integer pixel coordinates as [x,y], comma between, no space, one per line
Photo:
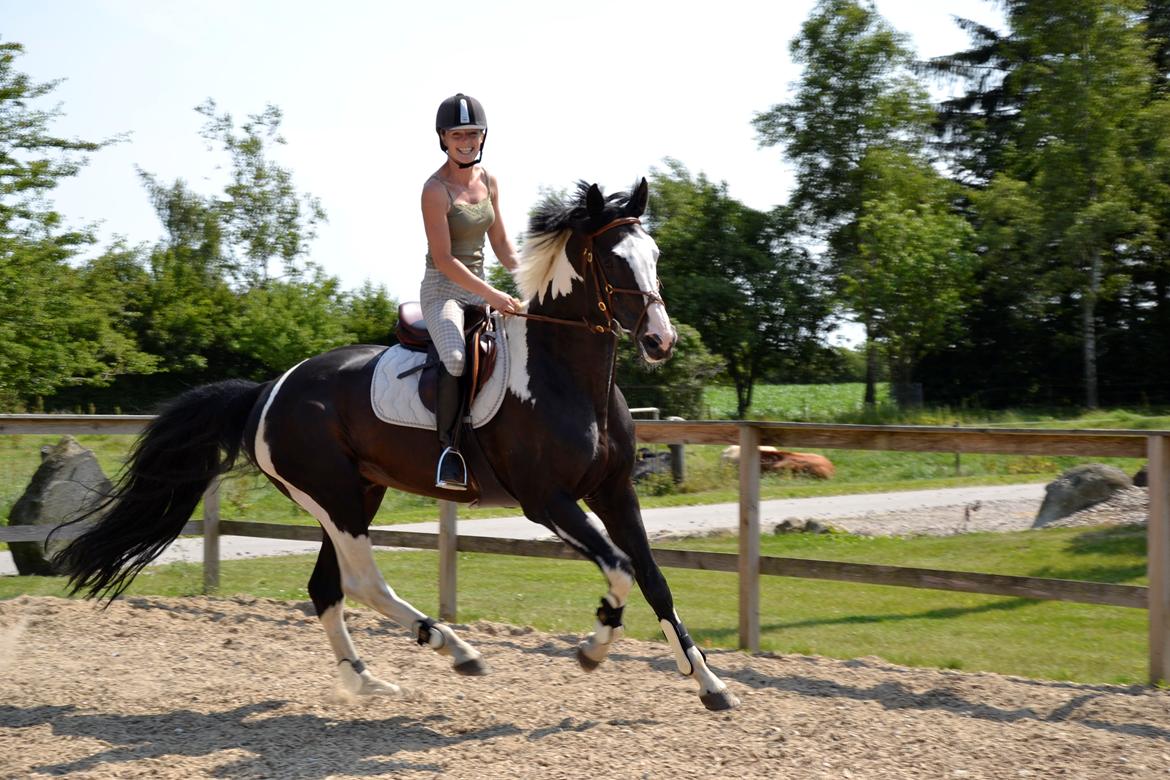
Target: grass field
[1037,639]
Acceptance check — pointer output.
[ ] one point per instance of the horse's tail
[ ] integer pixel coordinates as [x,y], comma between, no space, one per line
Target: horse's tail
[194,439]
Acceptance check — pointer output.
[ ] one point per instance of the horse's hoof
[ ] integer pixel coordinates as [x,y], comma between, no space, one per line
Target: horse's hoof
[473,667]
[719,700]
[587,663]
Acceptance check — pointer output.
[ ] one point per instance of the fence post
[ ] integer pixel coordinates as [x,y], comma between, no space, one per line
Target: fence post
[448,538]
[211,537]
[678,462]
[749,538]
[1158,557]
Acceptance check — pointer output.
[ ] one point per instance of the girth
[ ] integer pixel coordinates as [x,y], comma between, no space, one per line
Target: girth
[479,332]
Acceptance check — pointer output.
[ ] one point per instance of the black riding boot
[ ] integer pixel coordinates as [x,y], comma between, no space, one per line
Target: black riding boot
[452,470]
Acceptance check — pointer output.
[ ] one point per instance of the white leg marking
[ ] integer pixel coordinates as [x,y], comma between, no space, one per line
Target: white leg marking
[350,681]
[596,645]
[680,656]
[690,661]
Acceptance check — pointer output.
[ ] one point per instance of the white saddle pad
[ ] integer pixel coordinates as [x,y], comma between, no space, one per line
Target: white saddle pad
[396,401]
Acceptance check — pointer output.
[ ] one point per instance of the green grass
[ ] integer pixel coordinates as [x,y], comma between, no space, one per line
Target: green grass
[1037,639]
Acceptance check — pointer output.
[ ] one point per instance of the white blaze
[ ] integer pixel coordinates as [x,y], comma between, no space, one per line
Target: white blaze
[641,254]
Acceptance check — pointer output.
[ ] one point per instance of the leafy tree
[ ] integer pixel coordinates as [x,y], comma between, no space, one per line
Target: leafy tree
[1077,128]
[733,274]
[370,314]
[914,271]
[53,332]
[857,94]
[281,323]
[676,386]
[262,215]
[189,301]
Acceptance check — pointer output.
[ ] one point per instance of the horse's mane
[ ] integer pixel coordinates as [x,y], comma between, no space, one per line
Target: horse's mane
[544,266]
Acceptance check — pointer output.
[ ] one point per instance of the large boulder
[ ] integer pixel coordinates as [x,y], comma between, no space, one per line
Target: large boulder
[68,481]
[1079,488]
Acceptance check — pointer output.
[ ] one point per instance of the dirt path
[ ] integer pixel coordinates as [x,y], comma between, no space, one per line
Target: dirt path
[240,688]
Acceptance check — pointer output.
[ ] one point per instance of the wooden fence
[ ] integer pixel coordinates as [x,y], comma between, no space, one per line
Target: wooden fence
[1152,445]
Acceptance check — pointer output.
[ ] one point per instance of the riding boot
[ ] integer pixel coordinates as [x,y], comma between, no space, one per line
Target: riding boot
[452,470]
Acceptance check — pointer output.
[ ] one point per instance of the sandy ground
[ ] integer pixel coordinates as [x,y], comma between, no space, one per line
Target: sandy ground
[242,688]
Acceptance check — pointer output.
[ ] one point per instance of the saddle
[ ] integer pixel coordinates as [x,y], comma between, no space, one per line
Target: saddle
[479,331]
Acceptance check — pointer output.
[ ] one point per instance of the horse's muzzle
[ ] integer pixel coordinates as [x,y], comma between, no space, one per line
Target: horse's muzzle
[656,349]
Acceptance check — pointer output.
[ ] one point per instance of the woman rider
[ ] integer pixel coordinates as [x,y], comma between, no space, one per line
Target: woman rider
[460,205]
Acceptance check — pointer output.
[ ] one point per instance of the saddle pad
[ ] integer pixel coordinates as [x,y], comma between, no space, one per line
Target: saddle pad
[396,401]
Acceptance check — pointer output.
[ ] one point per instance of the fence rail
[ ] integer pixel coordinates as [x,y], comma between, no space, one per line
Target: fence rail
[748,563]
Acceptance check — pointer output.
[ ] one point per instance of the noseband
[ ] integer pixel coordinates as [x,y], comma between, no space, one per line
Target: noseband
[603,289]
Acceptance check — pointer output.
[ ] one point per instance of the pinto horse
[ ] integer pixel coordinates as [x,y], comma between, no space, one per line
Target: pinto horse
[563,433]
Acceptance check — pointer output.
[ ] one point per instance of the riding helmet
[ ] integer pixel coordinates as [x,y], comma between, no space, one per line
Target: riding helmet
[460,112]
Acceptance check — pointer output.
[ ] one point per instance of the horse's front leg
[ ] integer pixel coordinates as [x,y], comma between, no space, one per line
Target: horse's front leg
[564,518]
[617,506]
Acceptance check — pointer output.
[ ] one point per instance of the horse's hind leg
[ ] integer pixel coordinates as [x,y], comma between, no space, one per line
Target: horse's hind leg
[619,512]
[329,600]
[344,503]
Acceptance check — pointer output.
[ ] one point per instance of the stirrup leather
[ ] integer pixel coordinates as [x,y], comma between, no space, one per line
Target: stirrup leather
[453,481]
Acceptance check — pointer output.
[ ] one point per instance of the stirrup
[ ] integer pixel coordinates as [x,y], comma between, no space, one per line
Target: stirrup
[454,481]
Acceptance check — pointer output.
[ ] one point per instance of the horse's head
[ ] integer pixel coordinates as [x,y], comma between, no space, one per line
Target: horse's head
[590,261]
[627,260]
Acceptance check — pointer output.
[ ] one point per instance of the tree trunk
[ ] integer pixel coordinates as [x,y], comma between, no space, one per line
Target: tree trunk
[1089,328]
[871,368]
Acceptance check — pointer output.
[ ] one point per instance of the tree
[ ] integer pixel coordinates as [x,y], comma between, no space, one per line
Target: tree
[915,267]
[263,216]
[283,322]
[370,314]
[733,274]
[856,95]
[53,332]
[1086,90]
[676,386]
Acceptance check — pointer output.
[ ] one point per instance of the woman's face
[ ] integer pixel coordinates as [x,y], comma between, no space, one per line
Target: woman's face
[463,145]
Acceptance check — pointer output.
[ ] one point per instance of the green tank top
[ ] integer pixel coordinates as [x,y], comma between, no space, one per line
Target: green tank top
[468,223]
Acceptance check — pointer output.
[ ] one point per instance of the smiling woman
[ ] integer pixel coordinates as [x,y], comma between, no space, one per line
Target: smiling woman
[460,205]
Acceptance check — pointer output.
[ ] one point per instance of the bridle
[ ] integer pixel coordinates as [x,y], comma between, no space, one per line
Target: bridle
[603,290]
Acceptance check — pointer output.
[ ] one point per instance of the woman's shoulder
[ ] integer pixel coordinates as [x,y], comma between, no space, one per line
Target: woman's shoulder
[489,179]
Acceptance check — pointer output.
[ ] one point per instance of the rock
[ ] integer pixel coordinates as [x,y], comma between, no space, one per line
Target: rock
[68,480]
[1079,488]
[1142,478]
[795,525]
[648,462]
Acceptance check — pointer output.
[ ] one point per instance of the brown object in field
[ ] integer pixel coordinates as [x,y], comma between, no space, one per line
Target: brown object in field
[773,459]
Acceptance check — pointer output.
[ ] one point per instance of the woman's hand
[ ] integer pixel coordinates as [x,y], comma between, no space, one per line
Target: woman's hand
[502,302]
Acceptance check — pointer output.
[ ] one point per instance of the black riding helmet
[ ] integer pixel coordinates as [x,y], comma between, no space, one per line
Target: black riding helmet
[460,112]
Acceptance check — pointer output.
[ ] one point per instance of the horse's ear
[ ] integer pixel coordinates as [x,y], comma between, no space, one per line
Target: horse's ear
[594,202]
[639,199]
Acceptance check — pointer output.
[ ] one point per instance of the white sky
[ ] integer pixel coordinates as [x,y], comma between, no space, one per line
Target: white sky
[600,90]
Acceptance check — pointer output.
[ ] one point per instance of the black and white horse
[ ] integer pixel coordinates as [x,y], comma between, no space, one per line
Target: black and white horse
[563,433]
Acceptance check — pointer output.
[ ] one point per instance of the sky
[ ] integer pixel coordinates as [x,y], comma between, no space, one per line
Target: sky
[602,91]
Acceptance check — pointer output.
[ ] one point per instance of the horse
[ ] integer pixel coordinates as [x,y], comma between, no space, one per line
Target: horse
[563,433]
